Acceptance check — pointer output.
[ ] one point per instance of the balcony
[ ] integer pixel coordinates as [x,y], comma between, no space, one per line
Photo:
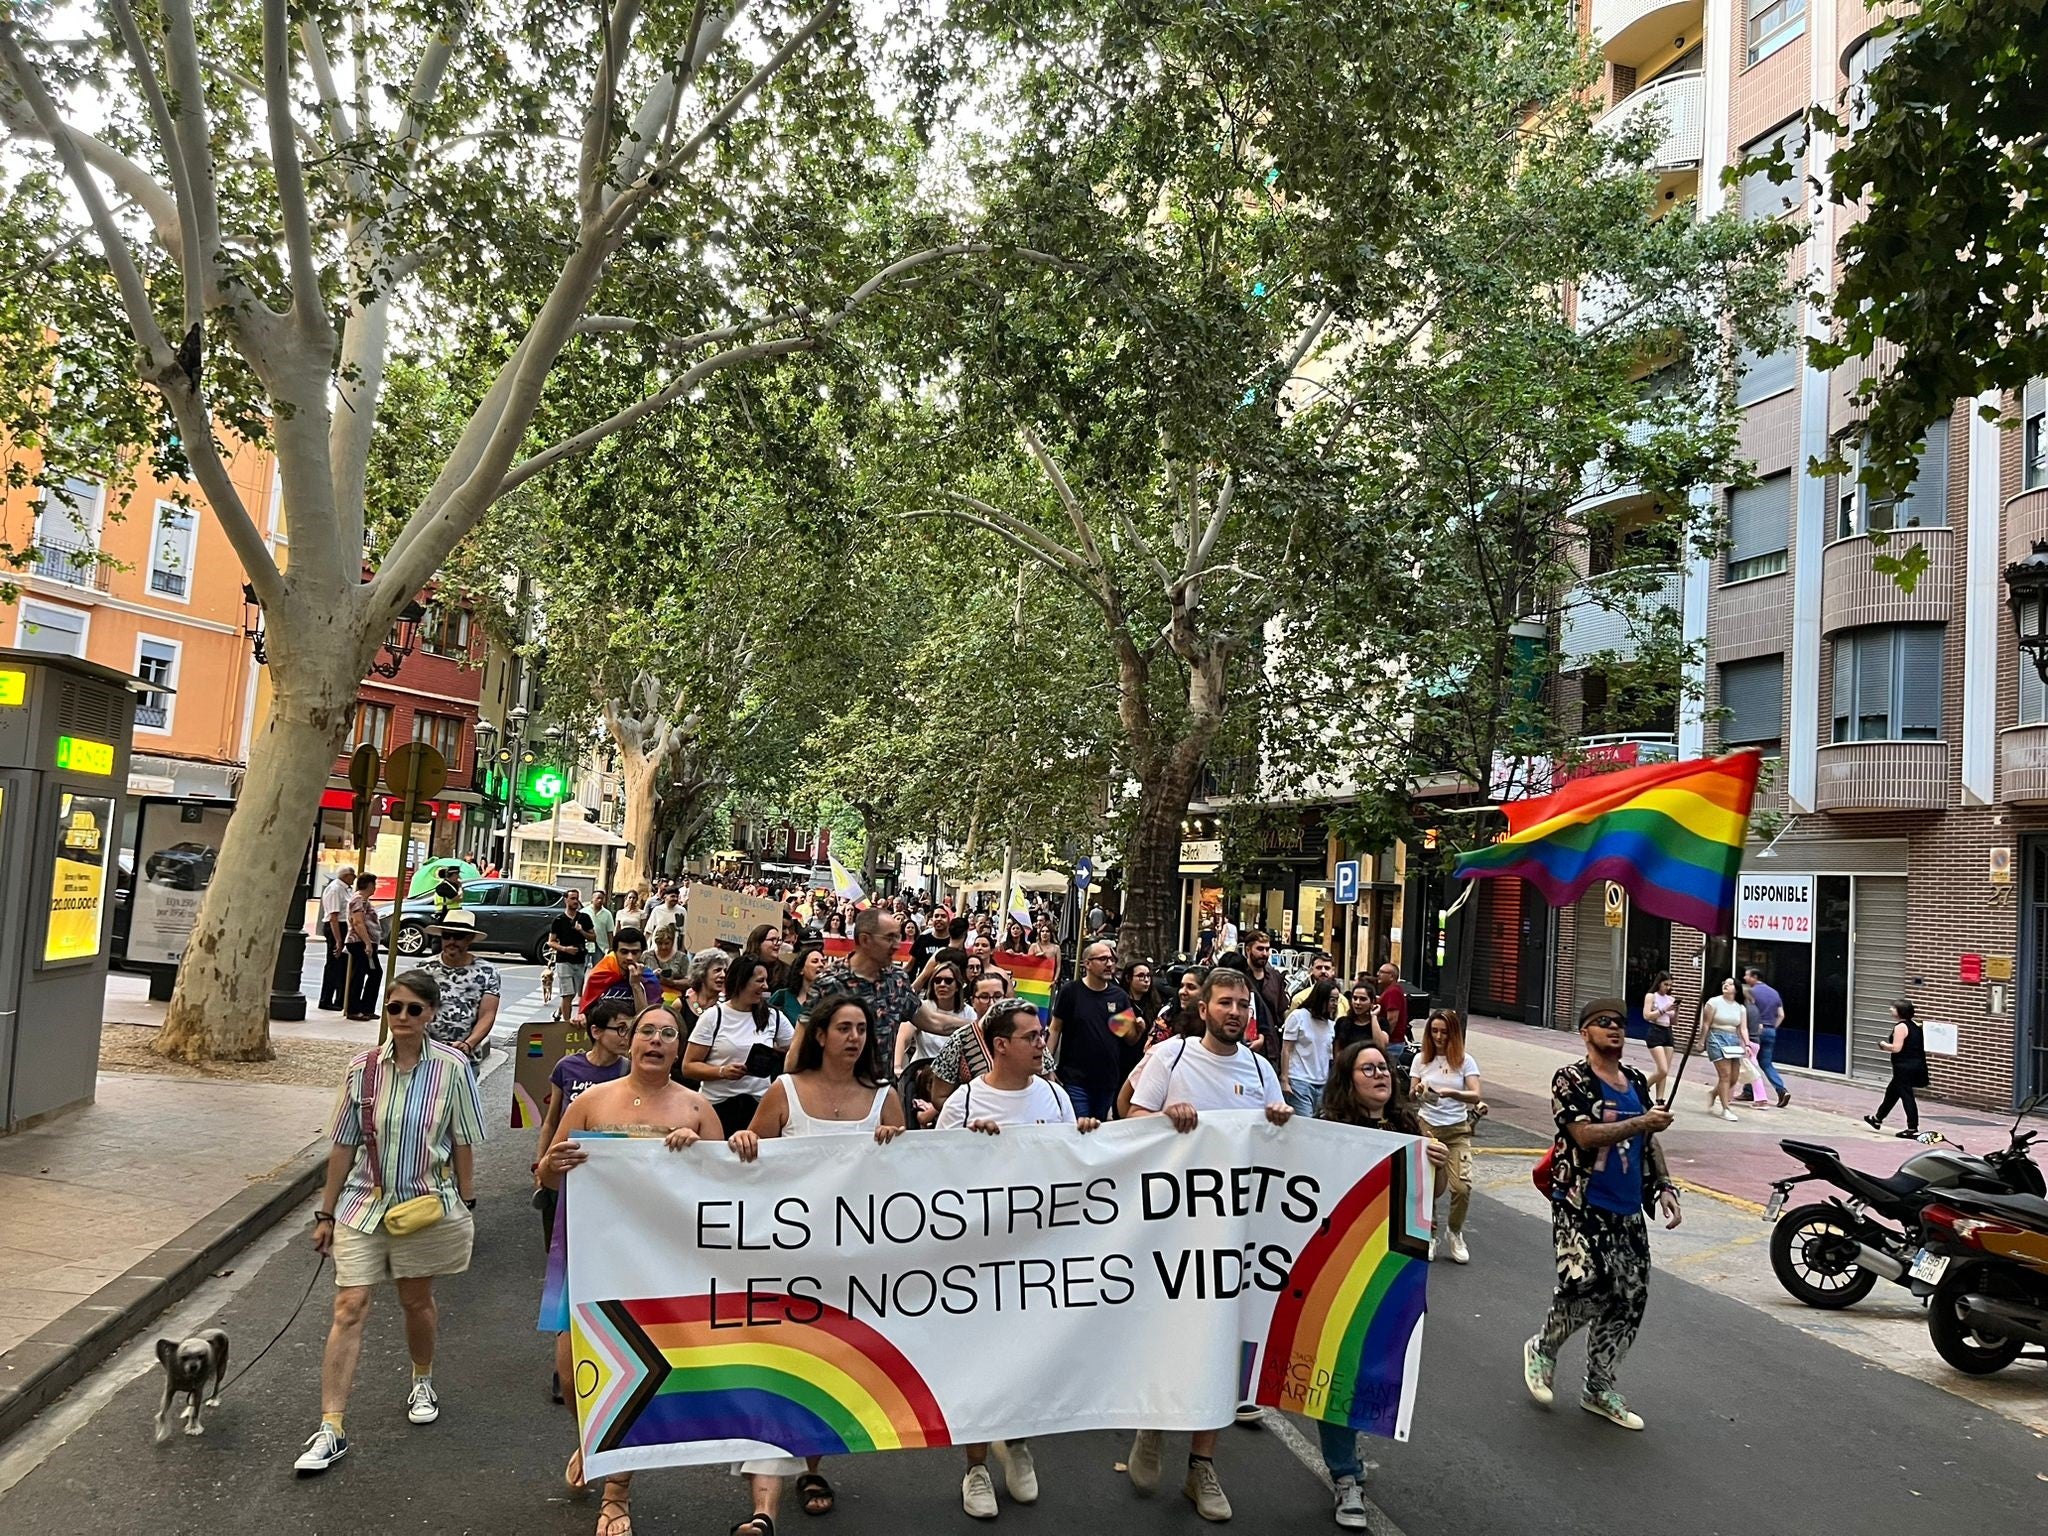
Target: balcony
[1628,31]
[71,560]
[1609,615]
[150,717]
[2023,763]
[1882,776]
[2026,519]
[1599,484]
[1680,103]
[1853,594]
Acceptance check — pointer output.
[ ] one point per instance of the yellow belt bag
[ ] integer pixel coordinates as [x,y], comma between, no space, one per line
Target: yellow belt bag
[408,1216]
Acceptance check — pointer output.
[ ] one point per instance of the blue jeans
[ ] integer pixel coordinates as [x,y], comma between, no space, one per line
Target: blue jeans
[1766,1043]
[1304,1097]
[1340,1450]
[1085,1107]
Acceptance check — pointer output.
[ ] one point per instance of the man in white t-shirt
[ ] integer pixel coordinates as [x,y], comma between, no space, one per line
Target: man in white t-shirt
[1013,1091]
[334,927]
[1211,1074]
[663,914]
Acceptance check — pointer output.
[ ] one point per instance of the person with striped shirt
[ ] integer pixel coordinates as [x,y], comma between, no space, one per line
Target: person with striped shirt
[405,1126]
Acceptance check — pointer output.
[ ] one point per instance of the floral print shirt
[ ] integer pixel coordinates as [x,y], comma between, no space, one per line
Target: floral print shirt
[1575,1099]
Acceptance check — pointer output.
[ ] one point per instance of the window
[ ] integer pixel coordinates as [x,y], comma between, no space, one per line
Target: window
[1759,527]
[1773,25]
[2034,435]
[1862,59]
[445,631]
[55,631]
[1753,693]
[170,557]
[441,732]
[1757,196]
[481,896]
[1925,504]
[1760,376]
[1888,683]
[2033,695]
[67,533]
[373,726]
[156,662]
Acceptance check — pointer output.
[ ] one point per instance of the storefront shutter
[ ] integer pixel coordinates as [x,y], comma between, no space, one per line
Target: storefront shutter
[1919,665]
[1753,694]
[1877,969]
[1596,950]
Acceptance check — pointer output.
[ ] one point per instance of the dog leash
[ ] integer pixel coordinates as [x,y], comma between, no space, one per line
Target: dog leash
[319,1263]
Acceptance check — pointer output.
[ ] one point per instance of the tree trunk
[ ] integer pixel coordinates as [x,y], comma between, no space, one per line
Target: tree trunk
[1151,917]
[640,858]
[221,1009]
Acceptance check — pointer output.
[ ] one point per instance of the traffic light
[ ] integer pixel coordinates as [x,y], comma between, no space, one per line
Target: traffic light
[542,786]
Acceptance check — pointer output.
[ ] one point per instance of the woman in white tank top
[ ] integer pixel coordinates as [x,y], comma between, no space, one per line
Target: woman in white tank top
[829,1090]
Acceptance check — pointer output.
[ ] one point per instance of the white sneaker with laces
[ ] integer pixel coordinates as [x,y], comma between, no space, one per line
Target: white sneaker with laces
[1351,1505]
[978,1493]
[1020,1472]
[421,1406]
[1145,1462]
[1460,1254]
[1729,1114]
[323,1449]
[1205,1490]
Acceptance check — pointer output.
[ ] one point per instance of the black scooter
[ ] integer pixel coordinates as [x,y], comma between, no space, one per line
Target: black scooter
[1833,1252]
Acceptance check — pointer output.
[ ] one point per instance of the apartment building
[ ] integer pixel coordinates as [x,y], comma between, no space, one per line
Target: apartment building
[1901,845]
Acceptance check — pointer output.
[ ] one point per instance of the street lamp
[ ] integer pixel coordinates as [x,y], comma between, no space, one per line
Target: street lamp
[405,634]
[252,624]
[2026,594]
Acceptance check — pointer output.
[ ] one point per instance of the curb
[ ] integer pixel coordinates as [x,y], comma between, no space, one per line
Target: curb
[49,1362]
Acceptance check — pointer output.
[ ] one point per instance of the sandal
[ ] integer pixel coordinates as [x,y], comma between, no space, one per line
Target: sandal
[755,1525]
[572,1475]
[816,1494]
[609,1524]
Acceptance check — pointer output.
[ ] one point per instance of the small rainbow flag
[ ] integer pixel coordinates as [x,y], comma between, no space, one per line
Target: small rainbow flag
[1670,834]
[1031,975]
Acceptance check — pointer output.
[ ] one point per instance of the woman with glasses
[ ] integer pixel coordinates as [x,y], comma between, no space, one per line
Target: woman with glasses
[645,1102]
[404,1129]
[944,1009]
[1361,1092]
[608,1024]
[829,1090]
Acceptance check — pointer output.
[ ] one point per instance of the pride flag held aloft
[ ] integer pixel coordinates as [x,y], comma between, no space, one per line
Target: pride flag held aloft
[1670,834]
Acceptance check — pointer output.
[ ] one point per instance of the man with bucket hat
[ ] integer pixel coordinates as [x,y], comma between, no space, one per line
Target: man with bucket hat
[469,987]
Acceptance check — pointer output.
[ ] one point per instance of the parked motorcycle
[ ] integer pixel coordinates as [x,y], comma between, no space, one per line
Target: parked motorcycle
[1986,1259]
[1832,1253]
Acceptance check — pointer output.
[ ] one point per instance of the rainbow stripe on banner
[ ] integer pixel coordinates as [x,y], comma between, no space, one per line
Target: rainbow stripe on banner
[1345,1341]
[1670,834]
[1032,975]
[814,1382]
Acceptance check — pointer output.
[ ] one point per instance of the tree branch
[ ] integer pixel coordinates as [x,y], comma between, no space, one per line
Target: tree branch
[291,178]
[181,217]
[614,37]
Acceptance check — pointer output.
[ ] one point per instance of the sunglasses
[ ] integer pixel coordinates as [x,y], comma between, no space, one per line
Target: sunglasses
[397,1008]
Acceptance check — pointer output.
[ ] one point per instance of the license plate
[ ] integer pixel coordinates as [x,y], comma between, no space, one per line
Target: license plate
[1928,1268]
[1774,1205]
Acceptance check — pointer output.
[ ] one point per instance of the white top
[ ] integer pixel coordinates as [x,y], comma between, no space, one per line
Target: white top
[731,1034]
[1229,939]
[1309,1041]
[333,901]
[925,1044]
[1190,1073]
[1038,1102]
[1726,1015]
[658,918]
[799,1122]
[1441,1076]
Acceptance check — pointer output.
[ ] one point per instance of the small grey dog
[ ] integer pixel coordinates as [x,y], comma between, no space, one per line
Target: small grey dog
[193,1369]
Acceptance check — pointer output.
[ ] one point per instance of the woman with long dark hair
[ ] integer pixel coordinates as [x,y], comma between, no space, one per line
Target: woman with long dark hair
[737,1045]
[1907,1047]
[1307,1040]
[765,945]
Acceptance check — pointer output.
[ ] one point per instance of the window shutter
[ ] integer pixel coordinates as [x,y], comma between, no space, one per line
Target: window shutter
[2033,695]
[1753,694]
[1926,502]
[1919,667]
[1759,518]
[1845,660]
[1873,685]
[2034,400]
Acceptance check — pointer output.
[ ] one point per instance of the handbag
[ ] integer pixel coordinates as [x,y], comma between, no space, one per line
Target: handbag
[407,1216]
[1542,1173]
[1748,1070]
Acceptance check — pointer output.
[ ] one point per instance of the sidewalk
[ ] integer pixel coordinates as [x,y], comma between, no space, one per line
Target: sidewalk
[1741,1160]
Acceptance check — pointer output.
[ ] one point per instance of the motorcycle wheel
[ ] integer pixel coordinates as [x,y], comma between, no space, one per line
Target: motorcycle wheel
[1803,1257]
[1962,1344]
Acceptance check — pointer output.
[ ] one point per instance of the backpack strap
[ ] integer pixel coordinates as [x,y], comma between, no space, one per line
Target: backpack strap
[367,1110]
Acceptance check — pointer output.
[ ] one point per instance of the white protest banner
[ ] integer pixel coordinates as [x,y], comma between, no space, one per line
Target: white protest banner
[955,1287]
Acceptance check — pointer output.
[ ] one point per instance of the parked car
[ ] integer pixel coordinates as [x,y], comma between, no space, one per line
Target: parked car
[124,906]
[514,916]
[182,866]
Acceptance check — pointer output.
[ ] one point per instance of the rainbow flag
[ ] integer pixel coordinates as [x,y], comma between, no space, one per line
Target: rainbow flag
[1032,976]
[1670,834]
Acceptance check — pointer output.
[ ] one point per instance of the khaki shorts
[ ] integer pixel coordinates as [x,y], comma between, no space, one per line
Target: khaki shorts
[370,1258]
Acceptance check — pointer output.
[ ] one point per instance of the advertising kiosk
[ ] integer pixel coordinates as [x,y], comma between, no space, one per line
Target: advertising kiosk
[65,726]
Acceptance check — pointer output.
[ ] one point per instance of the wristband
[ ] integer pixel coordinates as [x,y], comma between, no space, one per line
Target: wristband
[327,1216]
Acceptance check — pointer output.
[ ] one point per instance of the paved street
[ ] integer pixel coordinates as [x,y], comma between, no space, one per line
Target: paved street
[1757,1422]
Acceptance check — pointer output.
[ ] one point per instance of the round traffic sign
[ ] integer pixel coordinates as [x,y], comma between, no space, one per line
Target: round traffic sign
[416,769]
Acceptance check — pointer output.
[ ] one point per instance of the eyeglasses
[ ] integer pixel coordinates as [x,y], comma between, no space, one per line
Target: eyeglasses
[656,1032]
[397,1008]
[1375,1069]
[1026,1036]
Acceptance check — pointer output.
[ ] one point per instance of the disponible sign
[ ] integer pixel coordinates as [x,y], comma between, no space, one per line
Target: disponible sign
[1774,907]
[952,1288]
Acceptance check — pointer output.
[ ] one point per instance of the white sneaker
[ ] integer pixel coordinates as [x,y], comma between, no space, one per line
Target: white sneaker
[1432,1250]
[1537,1371]
[421,1406]
[1351,1505]
[1250,1413]
[323,1449]
[1147,1452]
[1729,1114]
[1609,1406]
[1460,1254]
[1020,1473]
[978,1493]
[1205,1491]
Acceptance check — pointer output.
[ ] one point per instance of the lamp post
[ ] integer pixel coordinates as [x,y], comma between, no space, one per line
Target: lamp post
[2026,594]
[515,744]
[486,738]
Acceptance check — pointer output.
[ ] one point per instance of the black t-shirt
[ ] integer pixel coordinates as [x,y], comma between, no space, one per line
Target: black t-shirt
[1090,1052]
[922,946]
[574,934]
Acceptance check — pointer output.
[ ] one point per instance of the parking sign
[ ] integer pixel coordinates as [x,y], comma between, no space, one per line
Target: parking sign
[1347,882]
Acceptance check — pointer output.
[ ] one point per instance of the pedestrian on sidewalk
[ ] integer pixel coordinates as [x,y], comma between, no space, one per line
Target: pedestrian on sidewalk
[1013,1091]
[1183,1081]
[1447,1082]
[1307,1042]
[470,988]
[365,967]
[1606,1171]
[603,919]
[1361,1092]
[334,927]
[1660,1009]
[405,1128]
[1726,1022]
[1766,1013]
[1907,1047]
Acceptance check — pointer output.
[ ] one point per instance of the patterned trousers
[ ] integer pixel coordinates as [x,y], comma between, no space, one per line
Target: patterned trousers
[1603,1285]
